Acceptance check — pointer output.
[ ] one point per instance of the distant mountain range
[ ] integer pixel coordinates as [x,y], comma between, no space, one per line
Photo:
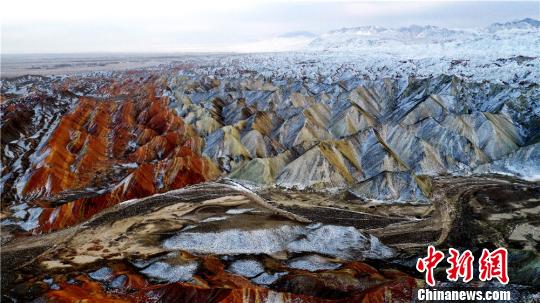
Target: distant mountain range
[413,32]
[520,37]
[507,39]
[527,24]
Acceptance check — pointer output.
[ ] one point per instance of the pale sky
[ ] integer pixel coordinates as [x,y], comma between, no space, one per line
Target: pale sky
[66,26]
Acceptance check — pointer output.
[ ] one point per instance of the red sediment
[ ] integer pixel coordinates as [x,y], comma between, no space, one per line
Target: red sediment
[53,174]
[214,275]
[124,123]
[214,284]
[134,281]
[92,145]
[401,290]
[85,291]
[188,293]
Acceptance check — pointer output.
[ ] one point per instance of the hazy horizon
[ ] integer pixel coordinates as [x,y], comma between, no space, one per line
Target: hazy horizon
[164,27]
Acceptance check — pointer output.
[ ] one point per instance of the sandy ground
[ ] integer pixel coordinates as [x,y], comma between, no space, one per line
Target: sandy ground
[59,64]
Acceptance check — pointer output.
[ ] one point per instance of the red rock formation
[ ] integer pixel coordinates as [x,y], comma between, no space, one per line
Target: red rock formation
[85,291]
[91,291]
[127,147]
[355,282]
[186,293]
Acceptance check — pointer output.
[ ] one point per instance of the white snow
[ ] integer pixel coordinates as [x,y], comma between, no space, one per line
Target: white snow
[507,53]
[338,241]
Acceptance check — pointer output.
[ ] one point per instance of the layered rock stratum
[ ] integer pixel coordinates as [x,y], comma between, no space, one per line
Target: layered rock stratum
[290,177]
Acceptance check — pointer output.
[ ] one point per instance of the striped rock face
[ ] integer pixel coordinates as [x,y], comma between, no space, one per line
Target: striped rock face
[122,144]
[211,242]
[220,242]
[379,140]
[74,146]
[207,184]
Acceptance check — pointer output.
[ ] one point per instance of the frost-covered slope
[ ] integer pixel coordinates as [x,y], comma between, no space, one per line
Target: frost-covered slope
[503,53]
[275,118]
[498,40]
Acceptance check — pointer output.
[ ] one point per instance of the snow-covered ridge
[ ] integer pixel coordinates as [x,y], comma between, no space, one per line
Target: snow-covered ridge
[497,40]
[527,24]
[504,53]
[410,33]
